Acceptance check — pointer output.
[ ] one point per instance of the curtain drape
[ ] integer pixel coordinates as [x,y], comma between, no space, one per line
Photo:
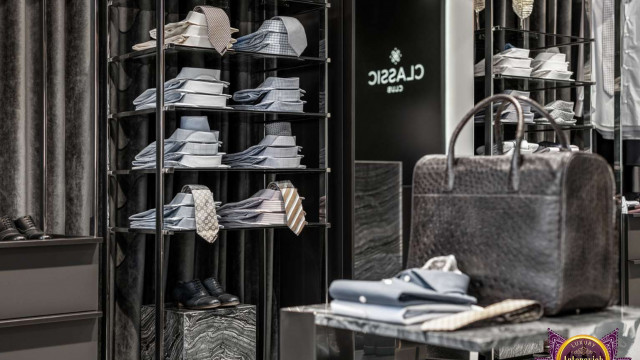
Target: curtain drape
[70,121]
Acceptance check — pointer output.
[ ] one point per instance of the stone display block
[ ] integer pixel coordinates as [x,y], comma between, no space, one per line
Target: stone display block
[222,333]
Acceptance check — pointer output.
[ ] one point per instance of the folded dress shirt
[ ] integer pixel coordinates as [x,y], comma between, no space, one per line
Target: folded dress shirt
[191,87]
[274,94]
[193,145]
[551,64]
[512,61]
[192,31]
[411,287]
[407,315]
[179,214]
[282,35]
[265,207]
[274,151]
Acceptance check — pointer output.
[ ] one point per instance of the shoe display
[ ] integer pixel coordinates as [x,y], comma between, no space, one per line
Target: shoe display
[28,228]
[215,289]
[192,295]
[8,230]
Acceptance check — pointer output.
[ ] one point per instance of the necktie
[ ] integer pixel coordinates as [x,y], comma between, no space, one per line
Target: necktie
[292,205]
[218,26]
[608,43]
[206,217]
[278,128]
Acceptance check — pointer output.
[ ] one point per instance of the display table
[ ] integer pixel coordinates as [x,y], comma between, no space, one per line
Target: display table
[311,332]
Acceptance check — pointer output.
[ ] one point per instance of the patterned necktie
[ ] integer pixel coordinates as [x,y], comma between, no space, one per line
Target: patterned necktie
[608,43]
[292,205]
[206,217]
[218,26]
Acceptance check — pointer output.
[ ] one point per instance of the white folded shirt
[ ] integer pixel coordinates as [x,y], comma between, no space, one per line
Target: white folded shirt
[549,65]
[408,315]
[552,74]
[551,56]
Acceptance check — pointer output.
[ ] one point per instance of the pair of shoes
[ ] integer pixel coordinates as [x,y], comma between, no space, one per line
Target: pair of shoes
[20,229]
[208,294]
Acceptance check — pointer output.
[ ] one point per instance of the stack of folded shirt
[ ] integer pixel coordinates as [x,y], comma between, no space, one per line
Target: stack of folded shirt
[277,150]
[193,145]
[512,61]
[282,35]
[551,64]
[178,215]
[274,94]
[192,31]
[509,114]
[525,148]
[561,111]
[192,87]
[412,296]
[264,208]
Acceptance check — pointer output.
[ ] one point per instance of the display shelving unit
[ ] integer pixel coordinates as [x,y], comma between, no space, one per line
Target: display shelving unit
[248,69]
[492,38]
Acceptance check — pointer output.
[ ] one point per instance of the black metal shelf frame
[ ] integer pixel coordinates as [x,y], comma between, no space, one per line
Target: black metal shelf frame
[159,115]
[489,80]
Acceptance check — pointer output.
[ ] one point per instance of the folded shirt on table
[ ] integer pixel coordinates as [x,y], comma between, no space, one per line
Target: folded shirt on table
[408,315]
[252,202]
[410,287]
[508,147]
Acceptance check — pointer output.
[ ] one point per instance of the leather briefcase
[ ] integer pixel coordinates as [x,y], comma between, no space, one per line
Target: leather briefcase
[533,226]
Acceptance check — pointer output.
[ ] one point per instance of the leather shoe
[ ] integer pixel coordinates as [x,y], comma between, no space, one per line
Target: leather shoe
[28,228]
[192,295]
[8,231]
[215,289]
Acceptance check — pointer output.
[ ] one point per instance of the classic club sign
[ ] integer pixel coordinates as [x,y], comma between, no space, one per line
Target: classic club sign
[394,77]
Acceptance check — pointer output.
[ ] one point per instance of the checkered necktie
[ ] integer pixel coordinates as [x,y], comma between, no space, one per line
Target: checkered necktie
[218,26]
[292,205]
[608,43]
[206,217]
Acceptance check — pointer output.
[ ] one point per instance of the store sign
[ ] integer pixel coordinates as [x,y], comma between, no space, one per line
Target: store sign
[395,77]
[583,347]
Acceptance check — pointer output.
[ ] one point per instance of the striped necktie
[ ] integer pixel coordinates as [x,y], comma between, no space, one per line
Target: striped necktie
[218,27]
[292,205]
[206,217]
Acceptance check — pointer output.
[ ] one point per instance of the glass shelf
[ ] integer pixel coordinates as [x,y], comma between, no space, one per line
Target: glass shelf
[237,57]
[544,126]
[285,7]
[221,170]
[173,232]
[518,38]
[536,84]
[282,115]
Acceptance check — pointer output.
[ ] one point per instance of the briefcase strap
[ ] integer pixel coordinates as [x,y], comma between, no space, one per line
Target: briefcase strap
[505,101]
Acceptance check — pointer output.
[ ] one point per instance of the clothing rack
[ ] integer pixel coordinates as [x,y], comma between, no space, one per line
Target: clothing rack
[312,66]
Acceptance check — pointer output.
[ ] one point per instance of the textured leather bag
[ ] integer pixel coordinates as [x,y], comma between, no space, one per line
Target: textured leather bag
[533,226]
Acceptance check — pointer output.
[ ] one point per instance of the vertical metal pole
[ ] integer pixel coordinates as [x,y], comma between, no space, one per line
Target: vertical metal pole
[44,115]
[488,75]
[326,156]
[160,118]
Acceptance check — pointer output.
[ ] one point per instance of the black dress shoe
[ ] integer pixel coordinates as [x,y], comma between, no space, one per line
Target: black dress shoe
[214,288]
[8,231]
[28,228]
[192,295]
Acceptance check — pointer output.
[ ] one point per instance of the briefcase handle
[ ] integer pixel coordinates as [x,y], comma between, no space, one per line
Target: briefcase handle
[505,99]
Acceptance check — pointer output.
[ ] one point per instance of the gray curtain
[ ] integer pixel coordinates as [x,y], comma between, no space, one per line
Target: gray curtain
[70,121]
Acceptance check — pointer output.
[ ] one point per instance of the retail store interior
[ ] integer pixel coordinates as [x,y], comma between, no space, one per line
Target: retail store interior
[320,179]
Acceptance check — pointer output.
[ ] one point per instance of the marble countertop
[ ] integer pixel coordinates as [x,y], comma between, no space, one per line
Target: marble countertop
[482,339]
